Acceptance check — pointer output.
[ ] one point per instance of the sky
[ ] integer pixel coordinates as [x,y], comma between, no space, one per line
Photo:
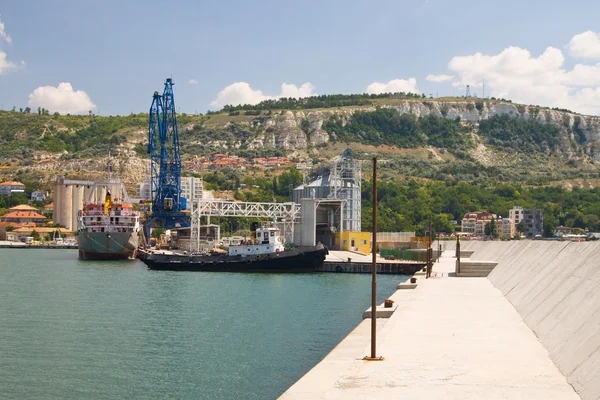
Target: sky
[73,56]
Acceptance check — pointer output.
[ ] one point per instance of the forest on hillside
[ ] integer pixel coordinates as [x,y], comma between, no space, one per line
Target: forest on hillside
[408,205]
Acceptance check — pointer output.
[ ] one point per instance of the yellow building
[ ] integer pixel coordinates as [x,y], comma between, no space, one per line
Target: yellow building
[354,241]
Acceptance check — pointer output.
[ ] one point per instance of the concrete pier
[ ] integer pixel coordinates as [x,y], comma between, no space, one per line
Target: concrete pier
[448,338]
[350,262]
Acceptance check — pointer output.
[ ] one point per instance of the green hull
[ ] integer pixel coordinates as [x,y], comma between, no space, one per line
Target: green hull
[107,246]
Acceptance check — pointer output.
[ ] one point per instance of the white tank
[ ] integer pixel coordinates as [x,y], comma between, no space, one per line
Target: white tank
[77,203]
[67,210]
[86,194]
[100,194]
[57,204]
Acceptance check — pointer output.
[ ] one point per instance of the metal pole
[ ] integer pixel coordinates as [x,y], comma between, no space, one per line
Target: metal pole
[374,264]
[373,356]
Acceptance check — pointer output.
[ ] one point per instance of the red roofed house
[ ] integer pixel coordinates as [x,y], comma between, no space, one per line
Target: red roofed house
[22,207]
[10,187]
[24,216]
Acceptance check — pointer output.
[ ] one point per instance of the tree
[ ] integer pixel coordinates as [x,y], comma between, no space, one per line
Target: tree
[35,235]
[156,232]
[39,110]
[521,227]
[27,110]
[490,228]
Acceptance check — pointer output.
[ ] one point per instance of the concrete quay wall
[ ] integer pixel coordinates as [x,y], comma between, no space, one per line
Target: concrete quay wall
[555,287]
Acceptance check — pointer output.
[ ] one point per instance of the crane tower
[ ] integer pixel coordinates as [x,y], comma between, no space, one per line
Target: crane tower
[165,164]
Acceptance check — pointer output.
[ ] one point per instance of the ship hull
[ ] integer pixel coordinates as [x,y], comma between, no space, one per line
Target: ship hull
[107,246]
[296,260]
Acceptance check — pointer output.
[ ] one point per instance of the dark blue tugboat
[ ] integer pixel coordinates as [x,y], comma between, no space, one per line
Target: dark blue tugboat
[266,253]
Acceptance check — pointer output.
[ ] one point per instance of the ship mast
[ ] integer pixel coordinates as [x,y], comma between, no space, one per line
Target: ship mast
[108,166]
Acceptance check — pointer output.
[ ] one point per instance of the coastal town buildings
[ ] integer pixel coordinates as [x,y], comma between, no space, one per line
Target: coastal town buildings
[218,161]
[504,228]
[475,222]
[533,220]
[191,189]
[38,195]
[23,214]
[10,187]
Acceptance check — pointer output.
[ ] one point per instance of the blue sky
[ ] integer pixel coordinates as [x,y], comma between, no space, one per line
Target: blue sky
[112,55]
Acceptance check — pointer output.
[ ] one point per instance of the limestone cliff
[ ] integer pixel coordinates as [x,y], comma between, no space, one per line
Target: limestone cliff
[297,131]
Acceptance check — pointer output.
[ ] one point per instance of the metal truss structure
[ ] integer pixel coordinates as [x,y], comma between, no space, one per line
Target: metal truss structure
[279,213]
[346,178]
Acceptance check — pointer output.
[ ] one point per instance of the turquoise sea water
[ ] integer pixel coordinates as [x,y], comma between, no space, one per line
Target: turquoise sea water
[73,329]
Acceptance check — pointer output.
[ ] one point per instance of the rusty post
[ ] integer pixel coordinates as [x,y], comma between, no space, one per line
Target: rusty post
[429,252]
[373,356]
[457,255]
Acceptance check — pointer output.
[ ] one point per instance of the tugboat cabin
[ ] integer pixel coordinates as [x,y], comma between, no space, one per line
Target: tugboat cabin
[268,240]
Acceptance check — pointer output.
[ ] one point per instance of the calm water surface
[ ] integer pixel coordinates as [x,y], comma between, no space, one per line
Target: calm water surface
[73,329]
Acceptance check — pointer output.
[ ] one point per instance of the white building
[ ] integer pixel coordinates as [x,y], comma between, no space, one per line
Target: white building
[38,195]
[8,188]
[516,215]
[143,190]
[191,189]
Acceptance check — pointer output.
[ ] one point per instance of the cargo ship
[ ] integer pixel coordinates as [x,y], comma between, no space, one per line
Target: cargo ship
[108,230]
[264,252]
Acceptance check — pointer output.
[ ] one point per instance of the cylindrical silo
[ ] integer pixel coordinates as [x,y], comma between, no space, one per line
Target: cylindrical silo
[77,203]
[63,205]
[87,190]
[68,209]
[57,203]
[100,194]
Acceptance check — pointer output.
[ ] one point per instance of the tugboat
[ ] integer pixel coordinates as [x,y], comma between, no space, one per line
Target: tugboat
[264,252]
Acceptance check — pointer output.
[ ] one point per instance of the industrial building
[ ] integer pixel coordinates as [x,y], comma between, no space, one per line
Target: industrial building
[70,195]
[332,203]
[325,210]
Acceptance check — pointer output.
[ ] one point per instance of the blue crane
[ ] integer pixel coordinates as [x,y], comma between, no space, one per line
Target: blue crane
[165,164]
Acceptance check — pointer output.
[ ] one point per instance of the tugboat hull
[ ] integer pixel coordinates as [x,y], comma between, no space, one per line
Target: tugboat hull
[296,260]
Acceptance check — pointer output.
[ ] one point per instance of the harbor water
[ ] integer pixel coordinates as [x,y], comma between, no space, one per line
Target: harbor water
[72,329]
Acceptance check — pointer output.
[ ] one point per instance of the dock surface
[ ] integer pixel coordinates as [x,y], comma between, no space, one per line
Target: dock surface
[449,338]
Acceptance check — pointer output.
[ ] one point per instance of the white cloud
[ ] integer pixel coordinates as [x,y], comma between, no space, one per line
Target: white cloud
[3,35]
[193,82]
[242,93]
[62,99]
[5,65]
[516,74]
[394,86]
[439,78]
[305,90]
[585,45]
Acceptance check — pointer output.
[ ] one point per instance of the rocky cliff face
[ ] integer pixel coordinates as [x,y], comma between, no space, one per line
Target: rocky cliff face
[298,130]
